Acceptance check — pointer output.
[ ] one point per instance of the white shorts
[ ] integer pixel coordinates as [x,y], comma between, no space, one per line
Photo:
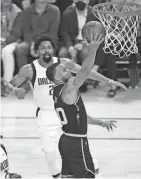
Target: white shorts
[49,129]
[48,118]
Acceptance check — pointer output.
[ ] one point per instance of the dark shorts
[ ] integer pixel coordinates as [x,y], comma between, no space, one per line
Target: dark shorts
[76,158]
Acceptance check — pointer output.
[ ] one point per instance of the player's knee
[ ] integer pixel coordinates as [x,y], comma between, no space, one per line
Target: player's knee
[48,147]
[48,142]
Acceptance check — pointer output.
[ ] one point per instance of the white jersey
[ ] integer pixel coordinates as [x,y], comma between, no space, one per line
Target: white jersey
[42,87]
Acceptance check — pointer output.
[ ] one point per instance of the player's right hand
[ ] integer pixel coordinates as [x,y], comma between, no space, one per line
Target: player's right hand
[19,93]
[95,42]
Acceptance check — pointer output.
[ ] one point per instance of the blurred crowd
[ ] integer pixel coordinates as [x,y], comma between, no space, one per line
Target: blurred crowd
[22,21]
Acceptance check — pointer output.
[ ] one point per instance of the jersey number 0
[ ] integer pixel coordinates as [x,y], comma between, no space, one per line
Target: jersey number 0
[62,115]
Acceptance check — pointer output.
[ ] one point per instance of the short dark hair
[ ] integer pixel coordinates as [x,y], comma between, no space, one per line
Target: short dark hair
[41,39]
[50,72]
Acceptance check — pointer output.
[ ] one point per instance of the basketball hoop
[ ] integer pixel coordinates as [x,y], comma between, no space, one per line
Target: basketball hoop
[121,21]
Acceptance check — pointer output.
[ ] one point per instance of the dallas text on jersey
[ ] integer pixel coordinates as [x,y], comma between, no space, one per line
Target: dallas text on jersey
[43,81]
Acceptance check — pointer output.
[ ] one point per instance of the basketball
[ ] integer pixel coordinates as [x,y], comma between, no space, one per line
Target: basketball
[92,28]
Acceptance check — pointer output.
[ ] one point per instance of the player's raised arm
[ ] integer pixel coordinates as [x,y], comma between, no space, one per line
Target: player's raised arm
[93,75]
[70,90]
[87,65]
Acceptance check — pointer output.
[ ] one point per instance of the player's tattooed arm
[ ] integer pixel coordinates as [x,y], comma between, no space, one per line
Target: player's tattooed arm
[93,75]
[75,68]
[106,124]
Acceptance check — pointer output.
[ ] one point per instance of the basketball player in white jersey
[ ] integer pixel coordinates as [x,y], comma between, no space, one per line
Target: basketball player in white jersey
[49,124]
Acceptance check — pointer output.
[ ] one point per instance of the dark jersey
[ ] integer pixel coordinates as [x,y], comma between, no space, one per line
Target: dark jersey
[73,117]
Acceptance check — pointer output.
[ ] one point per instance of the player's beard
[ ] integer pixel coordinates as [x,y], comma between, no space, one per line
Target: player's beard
[47,57]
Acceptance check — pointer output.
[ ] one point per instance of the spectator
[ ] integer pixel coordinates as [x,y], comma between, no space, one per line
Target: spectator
[63,4]
[95,2]
[9,12]
[72,22]
[23,4]
[18,3]
[26,3]
[42,18]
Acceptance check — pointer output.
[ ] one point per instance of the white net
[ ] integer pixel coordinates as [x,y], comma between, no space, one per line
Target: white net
[121,27]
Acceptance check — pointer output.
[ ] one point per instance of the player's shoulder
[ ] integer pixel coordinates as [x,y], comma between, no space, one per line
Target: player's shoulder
[26,68]
[26,71]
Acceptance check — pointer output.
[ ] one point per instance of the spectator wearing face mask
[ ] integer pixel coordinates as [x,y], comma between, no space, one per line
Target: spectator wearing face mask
[72,22]
[63,4]
[95,2]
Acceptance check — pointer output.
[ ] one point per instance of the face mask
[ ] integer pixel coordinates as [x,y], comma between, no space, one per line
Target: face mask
[80,5]
[47,57]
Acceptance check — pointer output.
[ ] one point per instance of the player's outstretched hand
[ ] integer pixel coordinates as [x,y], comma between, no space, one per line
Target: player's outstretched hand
[95,41]
[19,93]
[122,86]
[109,125]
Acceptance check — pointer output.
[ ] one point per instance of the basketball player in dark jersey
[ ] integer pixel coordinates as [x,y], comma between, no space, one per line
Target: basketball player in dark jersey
[73,145]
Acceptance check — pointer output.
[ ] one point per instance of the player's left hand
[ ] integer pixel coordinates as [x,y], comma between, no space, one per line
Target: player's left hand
[109,125]
[19,93]
[116,83]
